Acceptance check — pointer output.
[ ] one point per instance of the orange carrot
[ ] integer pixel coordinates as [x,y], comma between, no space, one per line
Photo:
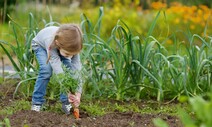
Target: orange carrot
[76,113]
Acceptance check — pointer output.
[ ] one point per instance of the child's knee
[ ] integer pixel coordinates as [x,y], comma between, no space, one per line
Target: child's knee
[45,72]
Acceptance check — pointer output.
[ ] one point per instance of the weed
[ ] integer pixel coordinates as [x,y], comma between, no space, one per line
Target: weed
[15,106]
[93,109]
[5,123]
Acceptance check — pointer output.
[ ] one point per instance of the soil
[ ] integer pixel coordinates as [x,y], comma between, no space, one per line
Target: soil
[49,119]
[28,118]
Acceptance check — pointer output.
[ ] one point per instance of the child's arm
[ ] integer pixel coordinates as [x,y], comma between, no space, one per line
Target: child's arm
[76,63]
[55,61]
[77,66]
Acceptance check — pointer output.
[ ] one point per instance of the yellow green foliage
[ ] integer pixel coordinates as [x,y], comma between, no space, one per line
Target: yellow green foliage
[177,17]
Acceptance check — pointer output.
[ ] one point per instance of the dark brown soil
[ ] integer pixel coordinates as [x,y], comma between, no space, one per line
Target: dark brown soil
[6,94]
[49,119]
[28,118]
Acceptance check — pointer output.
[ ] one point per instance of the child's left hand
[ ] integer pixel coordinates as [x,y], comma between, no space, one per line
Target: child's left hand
[74,99]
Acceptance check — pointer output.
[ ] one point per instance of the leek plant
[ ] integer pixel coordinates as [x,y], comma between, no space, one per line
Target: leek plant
[199,74]
[92,53]
[119,60]
[26,65]
[125,65]
[131,63]
[25,57]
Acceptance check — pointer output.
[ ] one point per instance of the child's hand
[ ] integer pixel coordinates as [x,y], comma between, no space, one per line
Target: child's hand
[74,99]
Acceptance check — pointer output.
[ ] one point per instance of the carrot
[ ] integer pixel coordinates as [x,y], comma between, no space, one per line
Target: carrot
[76,113]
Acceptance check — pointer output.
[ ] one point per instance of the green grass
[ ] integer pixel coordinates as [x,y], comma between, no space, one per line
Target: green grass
[14,107]
[101,107]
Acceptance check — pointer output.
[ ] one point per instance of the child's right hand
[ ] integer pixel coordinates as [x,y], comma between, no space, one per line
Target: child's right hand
[74,99]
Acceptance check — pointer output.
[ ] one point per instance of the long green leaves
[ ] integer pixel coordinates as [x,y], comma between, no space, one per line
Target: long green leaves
[20,53]
[137,67]
[21,50]
[126,65]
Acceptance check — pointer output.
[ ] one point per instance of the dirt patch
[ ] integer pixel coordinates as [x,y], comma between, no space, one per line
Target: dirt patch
[6,94]
[58,119]
[49,119]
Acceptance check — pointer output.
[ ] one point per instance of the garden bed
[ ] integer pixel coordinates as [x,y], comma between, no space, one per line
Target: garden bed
[50,118]
[115,119]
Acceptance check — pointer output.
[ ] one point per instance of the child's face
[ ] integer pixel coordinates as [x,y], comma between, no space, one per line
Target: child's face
[67,54]
[64,52]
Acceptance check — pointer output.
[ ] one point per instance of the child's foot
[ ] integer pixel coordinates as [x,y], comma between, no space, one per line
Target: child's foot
[66,107]
[36,108]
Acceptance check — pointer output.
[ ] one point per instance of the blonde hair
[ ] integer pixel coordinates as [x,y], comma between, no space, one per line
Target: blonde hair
[69,38]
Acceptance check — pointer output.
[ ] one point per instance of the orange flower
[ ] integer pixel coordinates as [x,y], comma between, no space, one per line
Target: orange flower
[158,5]
[204,8]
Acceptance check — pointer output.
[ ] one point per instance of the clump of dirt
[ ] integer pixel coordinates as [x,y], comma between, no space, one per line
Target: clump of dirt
[116,119]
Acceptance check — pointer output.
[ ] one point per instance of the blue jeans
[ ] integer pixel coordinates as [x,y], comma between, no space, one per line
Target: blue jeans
[45,73]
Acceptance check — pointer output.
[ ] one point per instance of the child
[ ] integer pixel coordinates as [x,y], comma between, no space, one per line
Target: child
[54,46]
